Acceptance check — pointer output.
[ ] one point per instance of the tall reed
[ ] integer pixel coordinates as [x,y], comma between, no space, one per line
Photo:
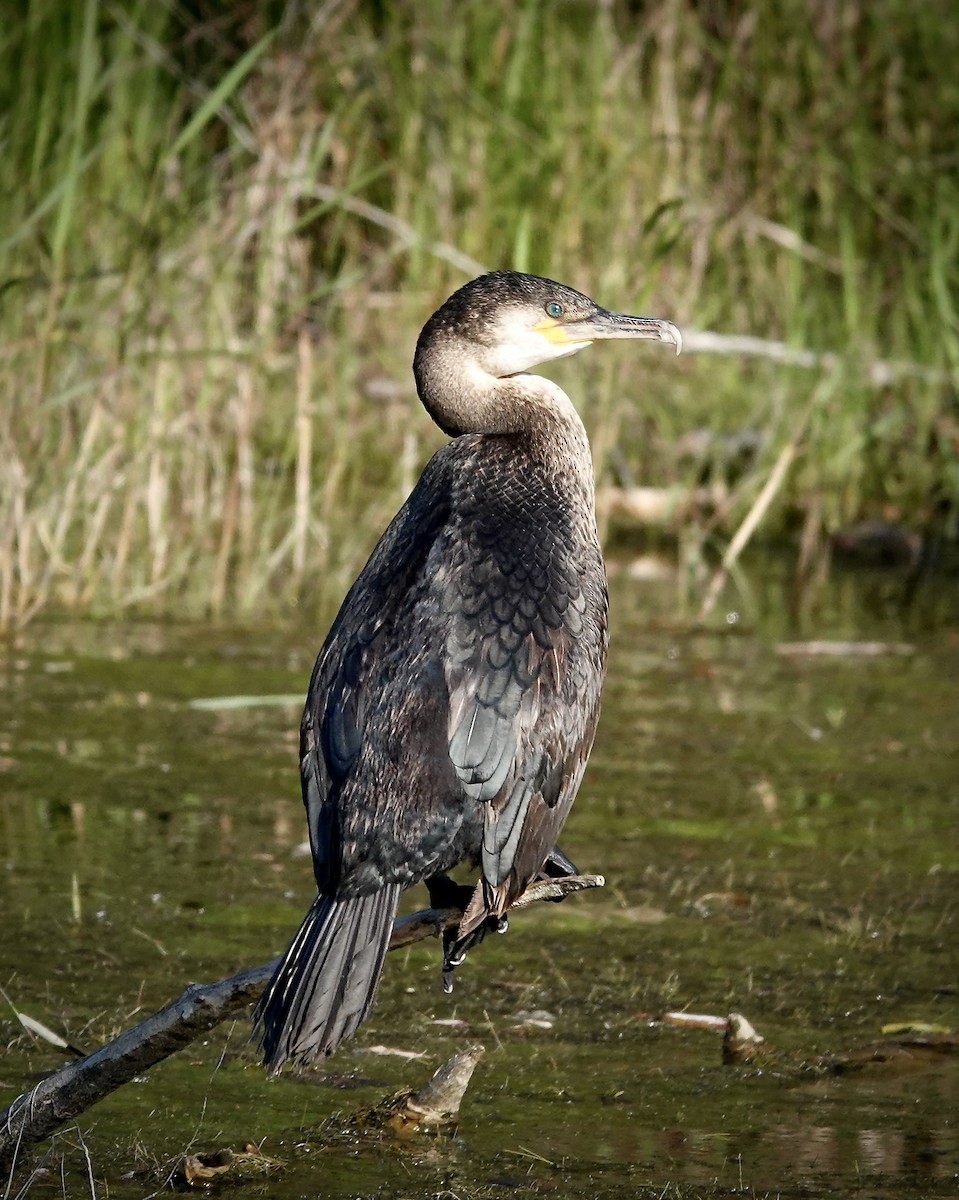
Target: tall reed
[219,241]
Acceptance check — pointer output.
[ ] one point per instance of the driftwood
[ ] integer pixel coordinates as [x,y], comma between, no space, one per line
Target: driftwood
[74,1088]
[435,1106]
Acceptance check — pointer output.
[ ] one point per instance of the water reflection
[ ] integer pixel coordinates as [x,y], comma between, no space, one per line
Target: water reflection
[921,1155]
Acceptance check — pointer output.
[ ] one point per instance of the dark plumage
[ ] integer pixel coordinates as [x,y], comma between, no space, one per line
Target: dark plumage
[453,705]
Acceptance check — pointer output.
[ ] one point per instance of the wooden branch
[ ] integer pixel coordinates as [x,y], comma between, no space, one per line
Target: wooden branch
[878,373]
[74,1088]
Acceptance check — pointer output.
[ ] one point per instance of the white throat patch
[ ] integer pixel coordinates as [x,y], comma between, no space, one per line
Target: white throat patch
[520,347]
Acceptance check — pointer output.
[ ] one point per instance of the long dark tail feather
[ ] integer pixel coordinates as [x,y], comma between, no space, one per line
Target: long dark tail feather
[326,981]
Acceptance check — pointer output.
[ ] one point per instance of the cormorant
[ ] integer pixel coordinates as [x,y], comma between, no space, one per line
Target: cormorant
[454,702]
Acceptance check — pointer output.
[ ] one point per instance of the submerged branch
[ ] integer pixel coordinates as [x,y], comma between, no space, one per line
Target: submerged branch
[74,1088]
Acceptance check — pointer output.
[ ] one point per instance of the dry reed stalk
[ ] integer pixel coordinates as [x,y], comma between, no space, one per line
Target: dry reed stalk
[245,466]
[668,108]
[304,453]
[224,554]
[102,482]
[757,511]
[84,571]
[405,233]
[810,539]
[124,540]
[13,557]
[747,528]
[68,512]
[156,492]
[336,462]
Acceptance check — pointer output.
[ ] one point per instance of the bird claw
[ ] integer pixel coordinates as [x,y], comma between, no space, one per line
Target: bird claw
[450,963]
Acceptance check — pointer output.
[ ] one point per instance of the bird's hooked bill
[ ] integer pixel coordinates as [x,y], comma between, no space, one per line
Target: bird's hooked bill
[603,326]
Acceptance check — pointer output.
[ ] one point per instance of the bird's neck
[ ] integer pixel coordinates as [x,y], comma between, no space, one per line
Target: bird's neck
[463,398]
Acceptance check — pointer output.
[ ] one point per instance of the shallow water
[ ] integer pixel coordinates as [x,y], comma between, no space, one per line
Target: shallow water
[779,836]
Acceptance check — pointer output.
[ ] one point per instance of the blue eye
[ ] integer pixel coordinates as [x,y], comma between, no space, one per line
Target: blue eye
[554,309]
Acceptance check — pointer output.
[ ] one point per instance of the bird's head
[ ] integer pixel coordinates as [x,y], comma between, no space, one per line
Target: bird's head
[511,321]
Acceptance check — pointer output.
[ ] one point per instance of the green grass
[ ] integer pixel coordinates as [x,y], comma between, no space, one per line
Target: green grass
[218,240]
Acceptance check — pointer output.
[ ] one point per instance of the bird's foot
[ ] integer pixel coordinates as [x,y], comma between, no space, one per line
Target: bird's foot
[455,948]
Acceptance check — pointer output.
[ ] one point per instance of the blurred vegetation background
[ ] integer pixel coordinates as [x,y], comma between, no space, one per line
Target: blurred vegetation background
[222,224]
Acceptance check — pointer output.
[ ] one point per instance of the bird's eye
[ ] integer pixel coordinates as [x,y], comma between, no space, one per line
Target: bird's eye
[554,309]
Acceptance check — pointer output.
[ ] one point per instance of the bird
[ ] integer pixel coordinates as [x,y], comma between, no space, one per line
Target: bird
[454,702]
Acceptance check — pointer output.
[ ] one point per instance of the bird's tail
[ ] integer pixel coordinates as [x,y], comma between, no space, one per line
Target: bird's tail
[326,981]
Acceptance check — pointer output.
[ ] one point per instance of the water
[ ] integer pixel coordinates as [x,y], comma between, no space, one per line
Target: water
[779,839]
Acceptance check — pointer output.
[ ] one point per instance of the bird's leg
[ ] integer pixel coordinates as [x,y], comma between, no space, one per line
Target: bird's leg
[456,948]
[449,966]
[446,893]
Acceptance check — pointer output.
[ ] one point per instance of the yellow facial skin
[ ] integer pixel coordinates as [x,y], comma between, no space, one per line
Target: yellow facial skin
[556,333]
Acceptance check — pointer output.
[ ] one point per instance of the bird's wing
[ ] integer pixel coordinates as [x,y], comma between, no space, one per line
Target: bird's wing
[525,653]
[345,688]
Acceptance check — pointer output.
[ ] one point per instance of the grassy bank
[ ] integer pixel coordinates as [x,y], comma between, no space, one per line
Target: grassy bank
[219,235]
